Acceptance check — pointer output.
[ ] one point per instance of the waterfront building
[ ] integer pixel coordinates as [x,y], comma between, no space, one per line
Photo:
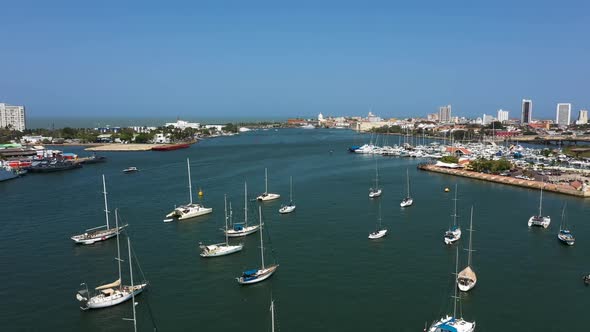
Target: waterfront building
[12,117]
[444,114]
[563,116]
[502,115]
[182,125]
[582,117]
[373,118]
[432,117]
[527,111]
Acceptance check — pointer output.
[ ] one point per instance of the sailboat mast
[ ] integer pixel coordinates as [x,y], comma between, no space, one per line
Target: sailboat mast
[379,220]
[246,203]
[190,187]
[132,290]
[376,176]
[470,238]
[118,247]
[261,242]
[455,213]
[541,203]
[106,205]
[408,177]
[225,210]
[266,180]
[291,189]
[456,274]
[272,315]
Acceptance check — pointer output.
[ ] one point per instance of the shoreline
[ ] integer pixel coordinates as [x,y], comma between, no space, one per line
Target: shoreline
[560,189]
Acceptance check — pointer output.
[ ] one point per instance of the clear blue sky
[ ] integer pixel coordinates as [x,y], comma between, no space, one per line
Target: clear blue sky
[249,58]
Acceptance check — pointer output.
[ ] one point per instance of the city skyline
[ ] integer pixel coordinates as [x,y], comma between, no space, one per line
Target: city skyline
[280,61]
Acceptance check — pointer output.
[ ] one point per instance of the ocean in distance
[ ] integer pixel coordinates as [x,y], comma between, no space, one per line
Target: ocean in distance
[331,277]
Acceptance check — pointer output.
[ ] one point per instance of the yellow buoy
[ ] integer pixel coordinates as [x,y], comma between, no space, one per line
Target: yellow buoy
[447,189]
[200,192]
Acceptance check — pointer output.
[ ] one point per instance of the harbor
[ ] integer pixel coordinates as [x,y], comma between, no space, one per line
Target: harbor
[325,238]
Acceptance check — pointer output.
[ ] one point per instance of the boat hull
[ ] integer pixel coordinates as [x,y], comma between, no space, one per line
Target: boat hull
[113,300]
[375,194]
[188,215]
[406,202]
[268,197]
[245,231]
[220,250]
[93,237]
[287,209]
[566,240]
[539,221]
[261,275]
[378,234]
[452,324]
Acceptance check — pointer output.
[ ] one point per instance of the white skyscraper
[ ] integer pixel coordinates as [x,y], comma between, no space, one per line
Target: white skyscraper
[444,114]
[502,115]
[583,117]
[488,119]
[527,111]
[12,117]
[563,116]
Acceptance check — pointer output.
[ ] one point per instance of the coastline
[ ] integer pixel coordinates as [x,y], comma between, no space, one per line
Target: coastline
[506,180]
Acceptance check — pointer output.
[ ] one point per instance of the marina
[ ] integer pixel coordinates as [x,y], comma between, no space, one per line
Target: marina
[326,238]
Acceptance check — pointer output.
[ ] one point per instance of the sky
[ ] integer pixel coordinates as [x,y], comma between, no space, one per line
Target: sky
[201,59]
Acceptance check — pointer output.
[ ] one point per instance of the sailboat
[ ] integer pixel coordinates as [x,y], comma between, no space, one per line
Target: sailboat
[110,294]
[266,196]
[452,323]
[454,233]
[466,279]
[564,234]
[97,234]
[408,200]
[242,229]
[539,220]
[258,275]
[379,230]
[289,207]
[221,249]
[375,192]
[191,209]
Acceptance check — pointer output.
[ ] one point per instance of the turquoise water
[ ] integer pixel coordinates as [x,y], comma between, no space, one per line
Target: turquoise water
[331,277]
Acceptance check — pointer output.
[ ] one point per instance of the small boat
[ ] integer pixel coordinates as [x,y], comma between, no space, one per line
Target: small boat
[113,293]
[376,191]
[264,272]
[379,230]
[170,147]
[454,233]
[7,174]
[243,229]
[452,323]
[586,279]
[564,235]
[190,210]
[266,196]
[50,166]
[408,201]
[540,220]
[130,170]
[221,249]
[289,207]
[94,159]
[466,279]
[447,190]
[100,233]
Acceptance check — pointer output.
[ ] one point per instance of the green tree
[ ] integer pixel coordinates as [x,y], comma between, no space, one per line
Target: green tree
[449,159]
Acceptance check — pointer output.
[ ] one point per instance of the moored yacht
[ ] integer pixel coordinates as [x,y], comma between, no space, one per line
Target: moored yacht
[190,210]
[565,235]
[291,206]
[466,279]
[242,229]
[454,233]
[266,196]
[540,220]
[408,201]
[375,191]
[221,249]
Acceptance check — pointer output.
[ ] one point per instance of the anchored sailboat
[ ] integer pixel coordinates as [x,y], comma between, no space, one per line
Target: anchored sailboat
[221,249]
[454,233]
[266,196]
[379,230]
[466,279]
[110,294]
[452,323]
[191,209]
[242,229]
[408,200]
[376,191]
[98,233]
[564,234]
[258,275]
[539,220]
[291,206]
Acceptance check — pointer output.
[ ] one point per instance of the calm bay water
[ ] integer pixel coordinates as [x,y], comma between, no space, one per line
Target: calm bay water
[331,277]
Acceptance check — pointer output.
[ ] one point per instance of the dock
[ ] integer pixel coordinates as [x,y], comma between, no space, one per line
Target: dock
[118,147]
[561,189]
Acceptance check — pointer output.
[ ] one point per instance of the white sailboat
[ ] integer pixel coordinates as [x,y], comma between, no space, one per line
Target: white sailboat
[221,249]
[466,279]
[379,230]
[452,323]
[191,209]
[540,220]
[110,294]
[454,233]
[408,200]
[264,272]
[289,207]
[266,196]
[97,234]
[375,192]
[565,235]
[242,229]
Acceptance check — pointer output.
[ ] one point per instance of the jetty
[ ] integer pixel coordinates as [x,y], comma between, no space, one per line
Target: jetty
[561,189]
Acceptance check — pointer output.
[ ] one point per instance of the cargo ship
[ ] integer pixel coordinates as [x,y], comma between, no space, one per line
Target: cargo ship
[170,147]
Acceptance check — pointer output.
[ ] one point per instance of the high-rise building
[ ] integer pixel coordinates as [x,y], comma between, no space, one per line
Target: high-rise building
[488,119]
[12,117]
[527,111]
[502,115]
[563,116]
[444,114]
[583,117]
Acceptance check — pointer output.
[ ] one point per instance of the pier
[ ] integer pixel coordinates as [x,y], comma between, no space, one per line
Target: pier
[561,189]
